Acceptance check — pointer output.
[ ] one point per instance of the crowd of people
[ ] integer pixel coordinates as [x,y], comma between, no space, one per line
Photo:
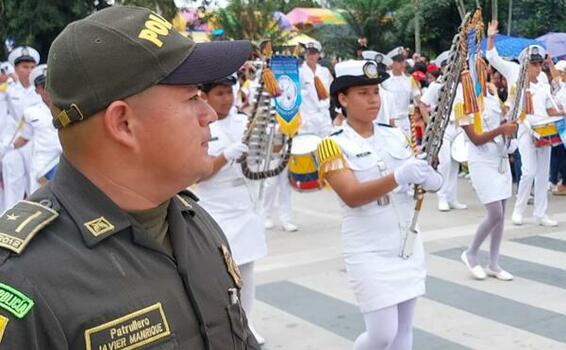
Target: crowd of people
[100,165]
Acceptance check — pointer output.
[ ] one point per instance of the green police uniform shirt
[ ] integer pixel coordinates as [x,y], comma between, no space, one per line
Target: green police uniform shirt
[76,272]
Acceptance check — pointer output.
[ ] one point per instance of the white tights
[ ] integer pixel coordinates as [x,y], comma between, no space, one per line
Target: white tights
[390,328]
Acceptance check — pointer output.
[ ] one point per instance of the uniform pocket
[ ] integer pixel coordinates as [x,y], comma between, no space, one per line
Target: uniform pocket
[242,338]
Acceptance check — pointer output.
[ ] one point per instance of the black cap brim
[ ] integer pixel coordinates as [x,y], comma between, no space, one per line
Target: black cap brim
[22,59]
[344,82]
[536,59]
[210,62]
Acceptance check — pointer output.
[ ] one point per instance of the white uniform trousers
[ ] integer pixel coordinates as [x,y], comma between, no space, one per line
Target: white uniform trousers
[448,167]
[535,167]
[279,187]
[15,168]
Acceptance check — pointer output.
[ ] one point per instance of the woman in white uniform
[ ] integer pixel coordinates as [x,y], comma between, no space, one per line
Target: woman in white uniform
[227,195]
[370,166]
[490,172]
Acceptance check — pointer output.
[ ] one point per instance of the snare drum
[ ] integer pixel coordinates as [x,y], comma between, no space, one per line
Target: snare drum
[546,132]
[303,168]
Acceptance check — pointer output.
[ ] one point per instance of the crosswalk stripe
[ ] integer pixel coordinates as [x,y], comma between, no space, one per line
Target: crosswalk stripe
[520,290]
[521,268]
[307,334]
[534,254]
[463,328]
[557,244]
[335,315]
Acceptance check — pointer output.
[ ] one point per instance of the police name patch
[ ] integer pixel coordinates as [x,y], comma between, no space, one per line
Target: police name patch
[20,224]
[14,301]
[129,332]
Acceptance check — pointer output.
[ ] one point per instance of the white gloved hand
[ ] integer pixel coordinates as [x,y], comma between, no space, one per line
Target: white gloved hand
[433,181]
[235,151]
[413,171]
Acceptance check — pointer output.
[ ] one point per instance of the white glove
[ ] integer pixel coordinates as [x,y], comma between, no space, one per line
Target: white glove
[235,151]
[433,181]
[414,171]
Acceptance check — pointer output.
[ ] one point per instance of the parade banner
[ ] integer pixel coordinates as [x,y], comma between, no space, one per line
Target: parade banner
[286,71]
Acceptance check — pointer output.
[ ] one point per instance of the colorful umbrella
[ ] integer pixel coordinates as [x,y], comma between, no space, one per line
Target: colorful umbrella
[510,47]
[282,21]
[555,43]
[314,16]
[299,39]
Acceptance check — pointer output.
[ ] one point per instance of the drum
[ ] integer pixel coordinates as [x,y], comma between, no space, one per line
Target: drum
[303,168]
[546,132]
[459,148]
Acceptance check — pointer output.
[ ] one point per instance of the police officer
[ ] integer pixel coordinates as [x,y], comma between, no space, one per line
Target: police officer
[113,252]
[226,194]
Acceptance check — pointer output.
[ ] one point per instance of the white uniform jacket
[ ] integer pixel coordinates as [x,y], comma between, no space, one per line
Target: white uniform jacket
[373,233]
[315,113]
[45,146]
[230,198]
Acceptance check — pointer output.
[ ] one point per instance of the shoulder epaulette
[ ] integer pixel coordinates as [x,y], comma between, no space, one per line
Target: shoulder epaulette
[383,124]
[338,132]
[21,223]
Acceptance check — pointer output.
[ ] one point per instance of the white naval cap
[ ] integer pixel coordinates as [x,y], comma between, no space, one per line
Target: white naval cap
[313,45]
[356,73]
[442,58]
[536,53]
[38,74]
[410,62]
[560,66]
[23,54]
[6,68]
[397,54]
[378,57]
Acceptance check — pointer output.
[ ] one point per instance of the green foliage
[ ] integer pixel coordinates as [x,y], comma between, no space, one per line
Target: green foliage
[37,22]
[251,20]
[165,8]
[372,19]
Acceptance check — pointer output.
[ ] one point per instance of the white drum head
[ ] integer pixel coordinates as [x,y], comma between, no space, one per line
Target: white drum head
[305,144]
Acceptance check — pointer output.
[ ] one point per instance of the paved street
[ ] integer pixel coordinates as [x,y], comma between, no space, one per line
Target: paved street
[305,301]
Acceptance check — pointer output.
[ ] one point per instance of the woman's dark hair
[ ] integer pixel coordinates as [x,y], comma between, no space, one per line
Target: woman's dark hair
[335,103]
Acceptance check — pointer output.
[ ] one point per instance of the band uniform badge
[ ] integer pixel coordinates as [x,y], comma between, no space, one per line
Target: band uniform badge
[231,266]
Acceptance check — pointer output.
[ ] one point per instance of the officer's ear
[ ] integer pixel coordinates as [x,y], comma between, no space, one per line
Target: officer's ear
[118,123]
[343,99]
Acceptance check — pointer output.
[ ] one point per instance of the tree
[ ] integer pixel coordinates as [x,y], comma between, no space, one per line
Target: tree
[36,23]
[251,20]
[372,19]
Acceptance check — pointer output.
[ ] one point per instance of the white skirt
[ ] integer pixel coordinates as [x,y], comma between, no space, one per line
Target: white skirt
[491,179]
[380,280]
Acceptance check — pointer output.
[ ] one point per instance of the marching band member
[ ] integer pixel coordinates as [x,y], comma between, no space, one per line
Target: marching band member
[45,146]
[490,173]
[386,97]
[226,194]
[403,88]
[315,82]
[370,166]
[535,160]
[447,166]
[558,155]
[16,157]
